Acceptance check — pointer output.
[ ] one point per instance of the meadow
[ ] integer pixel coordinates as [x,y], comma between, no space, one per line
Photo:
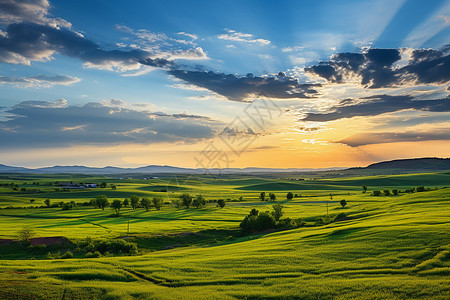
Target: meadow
[386,247]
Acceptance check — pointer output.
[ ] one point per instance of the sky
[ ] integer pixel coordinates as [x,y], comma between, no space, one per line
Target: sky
[218,84]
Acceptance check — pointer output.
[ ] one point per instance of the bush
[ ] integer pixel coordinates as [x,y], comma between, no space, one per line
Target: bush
[67,206]
[221,203]
[265,220]
[68,254]
[287,223]
[257,221]
[95,254]
[340,216]
[376,193]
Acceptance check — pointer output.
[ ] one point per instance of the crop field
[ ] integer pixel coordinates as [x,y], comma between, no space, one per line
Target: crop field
[376,247]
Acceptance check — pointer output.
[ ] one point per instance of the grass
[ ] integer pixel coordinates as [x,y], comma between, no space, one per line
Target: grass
[390,247]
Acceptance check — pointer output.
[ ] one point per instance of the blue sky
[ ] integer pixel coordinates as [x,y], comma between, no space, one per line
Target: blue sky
[187,62]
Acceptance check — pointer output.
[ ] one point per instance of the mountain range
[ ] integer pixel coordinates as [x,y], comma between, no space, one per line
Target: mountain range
[416,164]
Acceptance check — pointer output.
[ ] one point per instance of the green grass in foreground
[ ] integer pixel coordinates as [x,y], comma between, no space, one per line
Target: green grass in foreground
[395,247]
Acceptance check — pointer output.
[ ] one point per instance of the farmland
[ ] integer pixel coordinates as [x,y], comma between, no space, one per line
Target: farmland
[395,246]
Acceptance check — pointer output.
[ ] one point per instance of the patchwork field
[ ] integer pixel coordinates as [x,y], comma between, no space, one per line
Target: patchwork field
[385,247]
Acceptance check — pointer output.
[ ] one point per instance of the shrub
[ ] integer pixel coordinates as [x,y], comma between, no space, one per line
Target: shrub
[376,193]
[68,254]
[265,220]
[286,223]
[248,224]
[221,203]
[67,206]
[340,216]
[95,254]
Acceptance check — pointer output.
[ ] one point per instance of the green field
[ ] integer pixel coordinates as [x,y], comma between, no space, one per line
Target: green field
[387,247]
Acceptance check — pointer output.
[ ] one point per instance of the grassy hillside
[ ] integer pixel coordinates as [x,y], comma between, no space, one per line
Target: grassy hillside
[392,247]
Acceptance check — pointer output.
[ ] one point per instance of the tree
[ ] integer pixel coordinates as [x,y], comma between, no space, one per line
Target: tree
[387,192]
[262,196]
[177,203]
[117,205]
[31,201]
[199,201]
[186,200]
[254,212]
[272,197]
[113,186]
[47,202]
[103,185]
[126,202]
[395,192]
[277,211]
[134,201]
[25,233]
[221,203]
[343,203]
[145,202]
[157,203]
[101,201]
[376,193]
[289,196]
[364,187]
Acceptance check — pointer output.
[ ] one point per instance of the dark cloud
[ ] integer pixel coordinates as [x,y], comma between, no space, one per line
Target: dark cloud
[376,68]
[237,88]
[39,80]
[369,138]
[52,124]
[379,104]
[25,42]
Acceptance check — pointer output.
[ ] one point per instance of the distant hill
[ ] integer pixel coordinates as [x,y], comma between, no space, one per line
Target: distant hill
[407,165]
[421,164]
[152,169]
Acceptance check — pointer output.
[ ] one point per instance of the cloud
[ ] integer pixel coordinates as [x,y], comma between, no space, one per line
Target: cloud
[236,36]
[39,80]
[377,105]
[369,138]
[162,45]
[192,36]
[26,42]
[242,89]
[35,11]
[375,68]
[52,124]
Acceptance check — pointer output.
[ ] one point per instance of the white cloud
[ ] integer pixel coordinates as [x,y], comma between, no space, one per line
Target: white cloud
[236,36]
[34,11]
[192,36]
[39,80]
